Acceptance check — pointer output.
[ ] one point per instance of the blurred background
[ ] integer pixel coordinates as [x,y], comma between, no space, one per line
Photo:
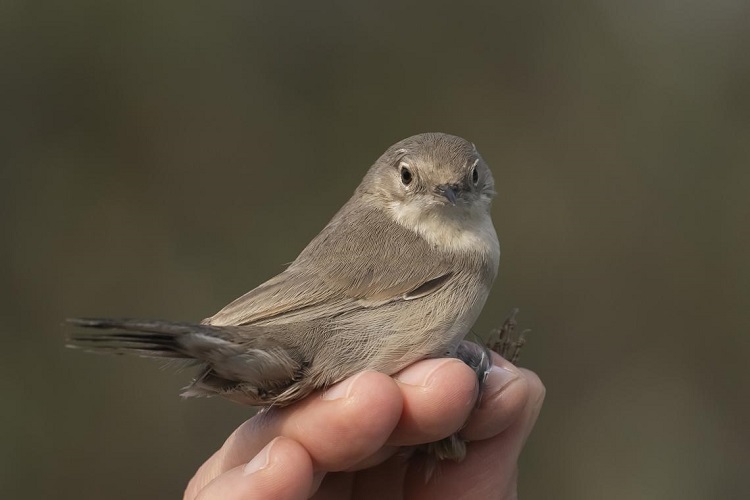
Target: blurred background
[159,160]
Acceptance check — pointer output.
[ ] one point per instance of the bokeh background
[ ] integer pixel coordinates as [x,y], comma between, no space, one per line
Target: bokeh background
[159,160]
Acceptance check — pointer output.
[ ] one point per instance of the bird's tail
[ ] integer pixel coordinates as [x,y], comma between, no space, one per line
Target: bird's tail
[244,363]
[150,338]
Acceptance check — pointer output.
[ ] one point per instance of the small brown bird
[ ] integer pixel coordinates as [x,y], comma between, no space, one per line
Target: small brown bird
[399,274]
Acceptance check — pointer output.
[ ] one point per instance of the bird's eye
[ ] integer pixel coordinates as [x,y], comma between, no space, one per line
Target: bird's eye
[475,176]
[406,176]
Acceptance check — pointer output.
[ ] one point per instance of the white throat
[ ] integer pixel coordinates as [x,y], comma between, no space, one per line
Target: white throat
[451,229]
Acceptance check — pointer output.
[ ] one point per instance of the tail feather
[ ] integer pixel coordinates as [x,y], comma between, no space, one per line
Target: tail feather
[165,328]
[243,363]
[151,338]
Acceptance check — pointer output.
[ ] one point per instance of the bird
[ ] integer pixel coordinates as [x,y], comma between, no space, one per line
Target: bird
[399,274]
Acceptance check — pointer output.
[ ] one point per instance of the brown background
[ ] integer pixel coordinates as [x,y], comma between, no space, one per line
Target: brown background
[160,160]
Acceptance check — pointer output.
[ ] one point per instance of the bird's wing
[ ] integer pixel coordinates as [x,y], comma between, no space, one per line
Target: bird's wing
[361,259]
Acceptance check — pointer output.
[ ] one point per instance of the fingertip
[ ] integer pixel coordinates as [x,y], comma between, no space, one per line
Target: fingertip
[342,431]
[282,470]
[338,431]
[438,395]
[508,444]
[537,393]
[424,373]
[505,394]
[537,389]
[343,389]
[498,430]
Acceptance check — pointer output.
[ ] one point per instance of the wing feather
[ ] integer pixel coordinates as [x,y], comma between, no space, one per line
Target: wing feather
[349,265]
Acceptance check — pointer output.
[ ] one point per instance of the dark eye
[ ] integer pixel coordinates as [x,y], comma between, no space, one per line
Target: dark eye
[405,176]
[475,176]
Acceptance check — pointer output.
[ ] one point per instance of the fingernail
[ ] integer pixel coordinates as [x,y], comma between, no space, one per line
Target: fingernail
[260,461]
[499,378]
[342,389]
[416,375]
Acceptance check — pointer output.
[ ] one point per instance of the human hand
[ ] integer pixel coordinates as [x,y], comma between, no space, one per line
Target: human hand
[354,440]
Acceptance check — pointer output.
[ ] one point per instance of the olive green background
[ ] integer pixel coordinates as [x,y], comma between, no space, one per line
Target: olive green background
[159,160]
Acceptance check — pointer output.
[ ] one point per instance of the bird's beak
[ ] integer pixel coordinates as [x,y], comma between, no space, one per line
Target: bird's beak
[449,191]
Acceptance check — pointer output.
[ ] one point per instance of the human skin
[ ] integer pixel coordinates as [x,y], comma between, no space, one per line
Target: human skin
[355,440]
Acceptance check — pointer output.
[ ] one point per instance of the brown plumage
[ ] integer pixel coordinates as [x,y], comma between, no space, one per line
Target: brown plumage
[399,274]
